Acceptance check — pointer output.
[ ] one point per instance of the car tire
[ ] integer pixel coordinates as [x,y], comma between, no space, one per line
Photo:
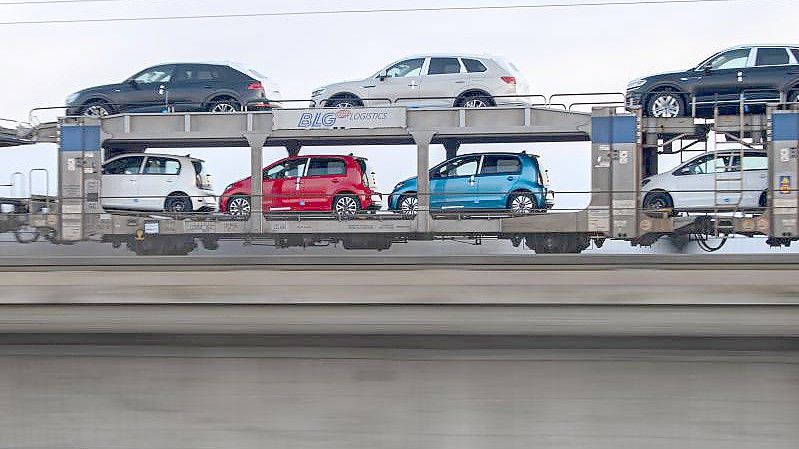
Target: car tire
[224,106]
[408,205]
[239,206]
[178,204]
[475,100]
[346,206]
[655,202]
[522,203]
[97,108]
[344,101]
[665,103]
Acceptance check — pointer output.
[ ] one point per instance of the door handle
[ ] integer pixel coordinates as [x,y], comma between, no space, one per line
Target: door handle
[460,82]
[335,181]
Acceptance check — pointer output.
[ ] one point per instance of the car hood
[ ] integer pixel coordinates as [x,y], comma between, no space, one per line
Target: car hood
[407,181]
[344,85]
[103,87]
[662,75]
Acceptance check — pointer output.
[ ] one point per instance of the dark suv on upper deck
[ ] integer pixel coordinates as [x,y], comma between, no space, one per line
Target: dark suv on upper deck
[181,88]
[757,73]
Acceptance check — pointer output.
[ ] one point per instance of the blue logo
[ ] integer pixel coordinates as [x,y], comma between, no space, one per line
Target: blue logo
[317,120]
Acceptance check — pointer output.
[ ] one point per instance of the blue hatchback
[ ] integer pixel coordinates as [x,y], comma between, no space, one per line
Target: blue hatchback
[485,181]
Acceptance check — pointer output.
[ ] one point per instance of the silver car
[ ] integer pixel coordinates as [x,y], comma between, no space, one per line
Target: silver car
[431,80]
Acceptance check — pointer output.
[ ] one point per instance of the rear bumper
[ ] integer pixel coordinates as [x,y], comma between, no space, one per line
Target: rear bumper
[208,203]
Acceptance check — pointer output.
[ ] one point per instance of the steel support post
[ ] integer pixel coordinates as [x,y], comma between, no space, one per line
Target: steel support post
[649,160]
[423,139]
[256,141]
[293,147]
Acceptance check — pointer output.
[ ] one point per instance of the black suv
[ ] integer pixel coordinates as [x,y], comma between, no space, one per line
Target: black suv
[180,88]
[757,73]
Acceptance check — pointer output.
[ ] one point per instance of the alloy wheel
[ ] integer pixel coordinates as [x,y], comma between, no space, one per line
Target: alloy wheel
[223,108]
[95,110]
[239,207]
[665,106]
[409,206]
[522,204]
[346,206]
[475,103]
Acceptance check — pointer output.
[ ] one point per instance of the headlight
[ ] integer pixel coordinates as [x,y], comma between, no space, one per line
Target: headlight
[318,92]
[399,186]
[71,99]
[635,84]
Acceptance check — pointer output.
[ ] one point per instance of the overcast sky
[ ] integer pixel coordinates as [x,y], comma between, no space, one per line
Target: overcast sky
[559,50]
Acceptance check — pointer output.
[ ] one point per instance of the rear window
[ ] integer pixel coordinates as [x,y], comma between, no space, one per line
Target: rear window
[771,56]
[474,66]
[795,52]
[327,167]
[198,167]
[498,164]
[444,66]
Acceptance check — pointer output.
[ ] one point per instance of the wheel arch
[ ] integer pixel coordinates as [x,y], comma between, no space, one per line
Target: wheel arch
[343,94]
[221,95]
[473,91]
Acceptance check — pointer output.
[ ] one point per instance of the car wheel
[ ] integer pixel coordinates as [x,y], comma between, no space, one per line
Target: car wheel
[346,206]
[665,104]
[522,203]
[344,102]
[408,206]
[475,100]
[179,204]
[96,109]
[239,206]
[658,201]
[224,106]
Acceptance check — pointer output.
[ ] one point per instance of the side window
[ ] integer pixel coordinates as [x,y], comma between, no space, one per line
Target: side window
[444,66]
[295,168]
[733,59]
[495,165]
[161,166]
[411,67]
[697,167]
[274,172]
[772,56]
[160,74]
[465,166]
[124,166]
[326,167]
[474,66]
[795,52]
[755,162]
[196,73]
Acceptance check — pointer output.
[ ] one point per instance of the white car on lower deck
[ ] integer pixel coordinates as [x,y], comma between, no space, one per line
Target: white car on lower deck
[711,181]
[157,183]
[450,80]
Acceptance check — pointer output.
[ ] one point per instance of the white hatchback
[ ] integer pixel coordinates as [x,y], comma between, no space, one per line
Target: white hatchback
[431,80]
[711,181]
[157,182]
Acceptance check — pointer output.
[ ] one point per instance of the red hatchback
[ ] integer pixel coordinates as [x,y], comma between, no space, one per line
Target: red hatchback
[342,184]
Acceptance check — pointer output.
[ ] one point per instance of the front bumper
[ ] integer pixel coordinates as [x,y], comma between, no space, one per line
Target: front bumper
[375,202]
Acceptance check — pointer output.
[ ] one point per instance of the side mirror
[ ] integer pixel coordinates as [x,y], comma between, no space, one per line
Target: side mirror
[132,82]
[708,68]
[161,89]
[382,76]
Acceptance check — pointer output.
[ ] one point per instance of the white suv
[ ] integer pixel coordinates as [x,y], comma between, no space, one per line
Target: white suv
[431,80]
[157,182]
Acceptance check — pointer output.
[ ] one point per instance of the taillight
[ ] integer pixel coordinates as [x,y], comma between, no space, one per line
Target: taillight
[509,79]
[255,85]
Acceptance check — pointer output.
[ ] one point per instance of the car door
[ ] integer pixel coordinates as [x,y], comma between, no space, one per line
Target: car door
[762,83]
[696,183]
[119,182]
[159,177]
[454,185]
[143,91]
[722,80]
[321,181]
[498,175]
[271,176]
[192,84]
[443,80]
[398,83]
[287,188]
[755,175]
